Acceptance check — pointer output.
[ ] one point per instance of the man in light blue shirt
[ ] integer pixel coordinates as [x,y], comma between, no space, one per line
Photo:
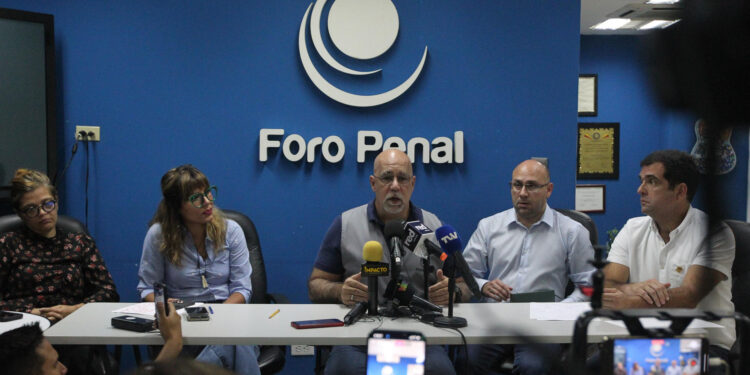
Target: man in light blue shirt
[528,248]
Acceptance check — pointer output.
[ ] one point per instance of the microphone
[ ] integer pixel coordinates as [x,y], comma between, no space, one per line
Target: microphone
[393,231]
[403,294]
[421,241]
[451,244]
[355,313]
[372,269]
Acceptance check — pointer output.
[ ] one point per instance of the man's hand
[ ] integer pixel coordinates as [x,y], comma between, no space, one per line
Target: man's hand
[614,299]
[58,312]
[170,327]
[439,291]
[652,291]
[496,290]
[353,290]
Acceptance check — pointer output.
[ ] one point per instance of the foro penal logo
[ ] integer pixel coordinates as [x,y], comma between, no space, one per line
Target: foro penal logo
[360,29]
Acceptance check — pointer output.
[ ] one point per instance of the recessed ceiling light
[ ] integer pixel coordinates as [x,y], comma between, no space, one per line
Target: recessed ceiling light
[657,24]
[611,24]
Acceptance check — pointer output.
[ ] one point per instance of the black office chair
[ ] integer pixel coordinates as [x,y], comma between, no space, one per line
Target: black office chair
[740,273]
[99,356]
[585,220]
[272,358]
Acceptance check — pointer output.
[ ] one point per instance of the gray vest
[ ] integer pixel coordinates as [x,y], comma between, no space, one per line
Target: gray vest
[356,229]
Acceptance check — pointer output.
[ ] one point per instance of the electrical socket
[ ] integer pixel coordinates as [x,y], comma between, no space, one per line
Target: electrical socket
[303,350]
[89,130]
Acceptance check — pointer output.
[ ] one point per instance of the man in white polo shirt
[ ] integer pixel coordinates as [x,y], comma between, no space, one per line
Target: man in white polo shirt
[670,258]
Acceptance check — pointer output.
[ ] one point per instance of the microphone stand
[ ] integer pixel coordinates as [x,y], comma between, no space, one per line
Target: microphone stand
[451,321]
[426,268]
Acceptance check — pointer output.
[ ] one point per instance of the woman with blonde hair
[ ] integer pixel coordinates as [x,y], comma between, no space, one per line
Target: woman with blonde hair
[47,271]
[199,255]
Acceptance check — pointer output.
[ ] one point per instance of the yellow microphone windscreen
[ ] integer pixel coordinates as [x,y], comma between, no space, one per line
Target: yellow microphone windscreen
[372,251]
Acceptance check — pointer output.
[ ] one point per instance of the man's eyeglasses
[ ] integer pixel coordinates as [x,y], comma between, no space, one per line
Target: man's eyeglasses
[530,187]
[33,210]
[197,199]
[387,179]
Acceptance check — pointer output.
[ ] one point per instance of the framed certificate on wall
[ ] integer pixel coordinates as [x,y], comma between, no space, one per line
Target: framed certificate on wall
[598,151]
[590,198]
[587,94]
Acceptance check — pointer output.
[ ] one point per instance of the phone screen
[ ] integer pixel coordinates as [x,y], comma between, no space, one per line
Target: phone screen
[659,356]
[396,353]
[160,298]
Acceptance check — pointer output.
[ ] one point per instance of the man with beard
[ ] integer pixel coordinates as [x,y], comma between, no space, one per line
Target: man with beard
[336,276]
[527,248]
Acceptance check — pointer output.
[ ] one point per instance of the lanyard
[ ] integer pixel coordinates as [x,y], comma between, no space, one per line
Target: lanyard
[202,270]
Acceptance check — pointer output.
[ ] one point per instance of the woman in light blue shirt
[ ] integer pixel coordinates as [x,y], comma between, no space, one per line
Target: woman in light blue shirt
[199,255]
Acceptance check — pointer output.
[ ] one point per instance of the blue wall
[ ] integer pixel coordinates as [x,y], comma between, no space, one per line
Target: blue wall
[174,82]
[625,97]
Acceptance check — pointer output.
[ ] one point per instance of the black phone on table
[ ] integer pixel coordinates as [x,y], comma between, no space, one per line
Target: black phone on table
[8,316]
[197,313]
[395,352]
[317,323]
[689,355]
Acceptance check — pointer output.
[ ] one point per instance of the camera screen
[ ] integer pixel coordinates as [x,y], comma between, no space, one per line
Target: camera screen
[396,356]
[658,356]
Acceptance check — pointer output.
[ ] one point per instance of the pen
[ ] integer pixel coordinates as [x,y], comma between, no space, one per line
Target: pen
[210,309]
[274,313]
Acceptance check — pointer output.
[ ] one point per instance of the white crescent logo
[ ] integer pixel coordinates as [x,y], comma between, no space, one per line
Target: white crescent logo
[361,29]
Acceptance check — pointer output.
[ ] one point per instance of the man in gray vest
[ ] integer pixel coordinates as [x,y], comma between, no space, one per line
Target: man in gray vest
[336,274]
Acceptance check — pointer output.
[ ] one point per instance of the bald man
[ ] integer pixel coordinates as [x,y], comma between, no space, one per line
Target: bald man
[336,275]
[528,248]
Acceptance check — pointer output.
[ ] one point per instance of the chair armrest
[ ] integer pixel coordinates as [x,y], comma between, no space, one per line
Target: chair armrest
[278,298]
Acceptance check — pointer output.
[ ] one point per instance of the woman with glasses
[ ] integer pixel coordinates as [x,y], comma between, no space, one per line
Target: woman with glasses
[199,255]
[45,270]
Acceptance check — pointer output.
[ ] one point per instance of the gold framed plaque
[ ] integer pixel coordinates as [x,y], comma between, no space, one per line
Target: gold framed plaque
[598,151]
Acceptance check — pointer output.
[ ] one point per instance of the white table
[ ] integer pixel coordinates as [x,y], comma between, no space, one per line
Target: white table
[498,323]
[25,319]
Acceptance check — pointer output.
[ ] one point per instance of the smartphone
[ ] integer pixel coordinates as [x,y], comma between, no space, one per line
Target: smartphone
[197,313]
[395,352]
[7,316]
[655,355]
[160,299]
[319,323]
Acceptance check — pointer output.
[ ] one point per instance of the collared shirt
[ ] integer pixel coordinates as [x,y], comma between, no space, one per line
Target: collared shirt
[639,247]
[542,257]
[227,271]
[329,255]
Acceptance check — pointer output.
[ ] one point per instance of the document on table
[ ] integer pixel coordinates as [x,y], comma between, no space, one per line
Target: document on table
[147,309]
[557,310]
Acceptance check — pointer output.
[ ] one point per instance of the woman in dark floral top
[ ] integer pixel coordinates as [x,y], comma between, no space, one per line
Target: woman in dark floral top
[45,270]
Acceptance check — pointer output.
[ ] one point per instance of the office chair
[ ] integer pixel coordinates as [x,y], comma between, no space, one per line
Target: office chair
[585,220]
[99,356]
[272,357]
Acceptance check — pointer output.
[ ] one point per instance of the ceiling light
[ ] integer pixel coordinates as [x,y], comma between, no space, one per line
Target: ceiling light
[657,24]
[611,24]
[660,2]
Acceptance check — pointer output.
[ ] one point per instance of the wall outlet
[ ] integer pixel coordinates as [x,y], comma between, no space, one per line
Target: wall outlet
[303,350]
[91,131]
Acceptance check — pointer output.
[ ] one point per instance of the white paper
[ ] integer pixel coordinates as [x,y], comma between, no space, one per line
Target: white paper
[557,310]
[144,308]
[147,310]
[656,323]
